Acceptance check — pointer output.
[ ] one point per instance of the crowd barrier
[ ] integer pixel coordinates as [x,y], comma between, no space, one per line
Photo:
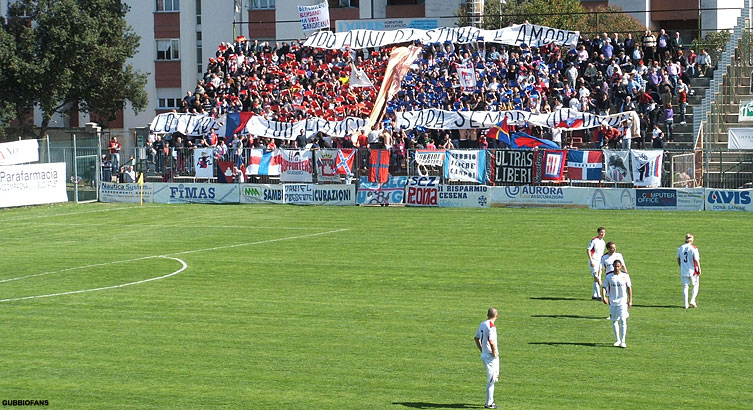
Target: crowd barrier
[428,191]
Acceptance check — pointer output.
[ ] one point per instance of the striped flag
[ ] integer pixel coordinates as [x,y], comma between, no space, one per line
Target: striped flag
[584,165]
[264,163]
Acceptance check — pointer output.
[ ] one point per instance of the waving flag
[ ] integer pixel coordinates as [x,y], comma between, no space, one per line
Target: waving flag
[264,163]
[235,123]
[240,162]
[570,122]
[467,77]
[500,132]
[358,78]
[379,165]
[521,140]
[345,161]
[585,165]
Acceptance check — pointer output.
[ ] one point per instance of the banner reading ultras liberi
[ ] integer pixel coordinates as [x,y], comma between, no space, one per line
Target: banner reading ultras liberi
[530,34]
[565,118]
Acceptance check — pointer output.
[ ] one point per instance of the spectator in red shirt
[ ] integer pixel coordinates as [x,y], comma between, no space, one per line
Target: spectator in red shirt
[114,148]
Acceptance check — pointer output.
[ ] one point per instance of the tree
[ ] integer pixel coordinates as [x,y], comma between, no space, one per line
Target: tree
[612,20]
[564,14]
[59,55]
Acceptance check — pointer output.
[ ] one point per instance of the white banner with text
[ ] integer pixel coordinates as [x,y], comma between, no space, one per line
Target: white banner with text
[178,193]
[32,184]
[530,34]
[128,193]
[19,152]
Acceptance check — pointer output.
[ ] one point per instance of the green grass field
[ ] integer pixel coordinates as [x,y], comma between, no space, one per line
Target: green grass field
[286,307]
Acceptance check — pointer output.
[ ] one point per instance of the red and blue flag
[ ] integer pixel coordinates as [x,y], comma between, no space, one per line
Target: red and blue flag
[570,122]
[235,123]
[521,140]
[379,165]
[500,132]
[345,161]
[585,165]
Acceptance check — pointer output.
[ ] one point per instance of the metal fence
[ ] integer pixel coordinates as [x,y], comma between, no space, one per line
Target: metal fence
[81,155]
[178,166]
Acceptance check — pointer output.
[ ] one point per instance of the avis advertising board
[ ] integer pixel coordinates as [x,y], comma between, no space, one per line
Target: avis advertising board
[728,199]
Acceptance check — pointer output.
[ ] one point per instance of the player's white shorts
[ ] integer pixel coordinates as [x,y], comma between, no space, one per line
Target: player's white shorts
[618,312]
[595,271]
[690,280]
[491,364]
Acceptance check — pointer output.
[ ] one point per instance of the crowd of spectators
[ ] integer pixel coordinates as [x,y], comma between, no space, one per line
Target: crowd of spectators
[289,82]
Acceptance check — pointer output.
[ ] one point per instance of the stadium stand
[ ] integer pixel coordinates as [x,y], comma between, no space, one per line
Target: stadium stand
[288,82]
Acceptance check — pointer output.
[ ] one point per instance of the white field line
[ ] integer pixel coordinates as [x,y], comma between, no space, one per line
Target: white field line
[191,225]
[69,213]
[106,287]
[151,257]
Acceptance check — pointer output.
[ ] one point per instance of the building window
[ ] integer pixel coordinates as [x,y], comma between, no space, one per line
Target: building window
[168,49]
[199,59]
[168,103]
[344,3]
[168,5]
[262,4]
[405,2]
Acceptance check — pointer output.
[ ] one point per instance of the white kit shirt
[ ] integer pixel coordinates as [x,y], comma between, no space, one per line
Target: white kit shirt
[596,250]
[616,286]
[607,261]
[689,260]
[487,333]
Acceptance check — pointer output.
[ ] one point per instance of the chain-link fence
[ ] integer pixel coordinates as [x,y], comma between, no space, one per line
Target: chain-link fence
[680,167]
[81,154]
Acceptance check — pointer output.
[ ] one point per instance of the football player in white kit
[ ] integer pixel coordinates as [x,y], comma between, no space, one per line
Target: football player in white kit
[595,251]
[612,255]
[690,268]
[618,294]
[486,341]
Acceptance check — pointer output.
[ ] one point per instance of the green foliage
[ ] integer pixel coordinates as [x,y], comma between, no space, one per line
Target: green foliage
[69,54]
[380,315]
[714,42]
[611,19]
[564,14]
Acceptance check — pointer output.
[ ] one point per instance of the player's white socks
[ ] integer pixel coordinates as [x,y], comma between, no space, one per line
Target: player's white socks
[695,293]
[596,290]
[616,327]
[624,329]
[685,294]
[490,391]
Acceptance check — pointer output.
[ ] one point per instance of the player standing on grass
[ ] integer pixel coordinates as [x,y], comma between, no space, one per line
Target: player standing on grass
[612,255]
[595,251]
[486,341]
[690,268]
[618,294]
